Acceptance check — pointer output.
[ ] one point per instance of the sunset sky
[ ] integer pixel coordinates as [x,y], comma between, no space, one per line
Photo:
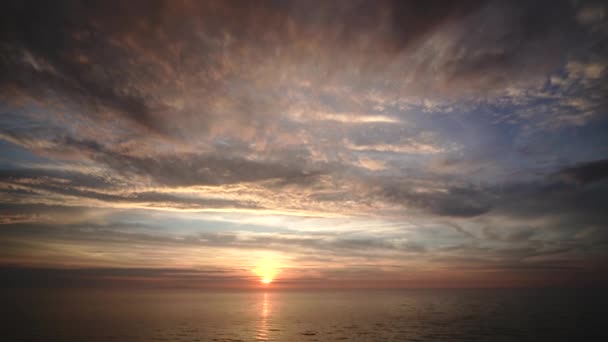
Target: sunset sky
[318,143]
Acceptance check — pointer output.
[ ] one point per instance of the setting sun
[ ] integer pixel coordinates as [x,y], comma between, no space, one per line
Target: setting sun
[267,271]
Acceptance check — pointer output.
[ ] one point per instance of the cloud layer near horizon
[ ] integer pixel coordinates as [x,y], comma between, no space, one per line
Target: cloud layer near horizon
[414,143]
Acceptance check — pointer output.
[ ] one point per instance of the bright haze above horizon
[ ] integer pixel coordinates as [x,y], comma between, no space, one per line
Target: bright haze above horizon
[303,144]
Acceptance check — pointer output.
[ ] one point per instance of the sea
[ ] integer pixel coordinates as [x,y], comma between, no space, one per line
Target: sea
[344,315]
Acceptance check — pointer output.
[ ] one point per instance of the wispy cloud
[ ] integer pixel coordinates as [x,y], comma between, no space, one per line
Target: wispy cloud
[346,139]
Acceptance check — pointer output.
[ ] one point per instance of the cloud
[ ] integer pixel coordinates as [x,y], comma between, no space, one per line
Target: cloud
[413,147]
[585,173]
[591,13]
[102,65]
[371,164]
[418,134]
[455,201]
[28,277]
[350,118]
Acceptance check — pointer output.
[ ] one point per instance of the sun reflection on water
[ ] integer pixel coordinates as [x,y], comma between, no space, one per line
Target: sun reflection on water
[262,331]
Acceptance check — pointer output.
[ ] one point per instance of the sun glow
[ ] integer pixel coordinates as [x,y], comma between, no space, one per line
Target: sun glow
[267,271]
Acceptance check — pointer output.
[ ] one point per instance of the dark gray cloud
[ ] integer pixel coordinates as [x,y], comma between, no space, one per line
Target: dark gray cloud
[195,169]
[187,169]
[507,41]
[152,236]
[30,183]
[95,58]
[585,173]
[578,191]
[574,206]
[27,277]
[98,58]
[455,201]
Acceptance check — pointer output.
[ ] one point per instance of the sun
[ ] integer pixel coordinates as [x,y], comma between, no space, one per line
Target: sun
[267,271]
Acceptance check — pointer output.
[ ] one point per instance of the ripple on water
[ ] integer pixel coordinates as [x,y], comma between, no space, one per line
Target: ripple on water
[456,317]
[308,333]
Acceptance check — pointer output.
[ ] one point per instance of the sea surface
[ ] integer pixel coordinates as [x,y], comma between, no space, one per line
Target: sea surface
[408,315]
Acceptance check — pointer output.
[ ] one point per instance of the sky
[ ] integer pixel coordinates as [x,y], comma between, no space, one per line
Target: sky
[309,144]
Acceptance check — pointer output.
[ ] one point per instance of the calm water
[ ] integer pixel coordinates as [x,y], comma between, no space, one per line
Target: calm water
[412,315]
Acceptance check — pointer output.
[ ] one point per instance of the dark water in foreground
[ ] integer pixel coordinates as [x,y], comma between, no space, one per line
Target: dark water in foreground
[411,315]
